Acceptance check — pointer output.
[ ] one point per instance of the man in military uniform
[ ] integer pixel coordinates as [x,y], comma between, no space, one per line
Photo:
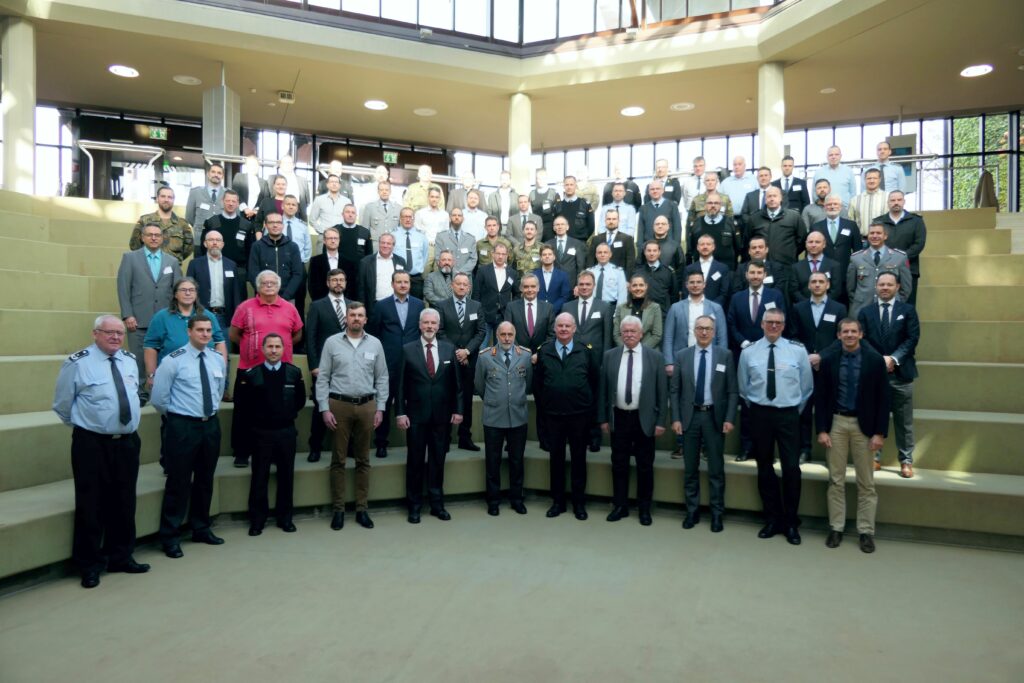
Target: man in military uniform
[415,197]
[866,265]
[504,376]
[485,247]
[97,395]
[178,235]
[696,208]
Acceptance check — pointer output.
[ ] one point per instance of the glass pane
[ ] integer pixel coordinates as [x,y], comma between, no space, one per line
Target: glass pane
[967,135]
[370,7]
[537,161]
[575,17]
[873,134]
[47,171]
[399,10]
[47,126]
[932,181]
[506,20]
[597,161]
[473,16]
[675,9]
[620,156]
[576,162]
[329,4]
[488,168]
[436,13]
[463,163]
[998,165]
[742,146]
[667,149]
[933,141]
[608,14]
[688,149]
[997,132]
[554,162]
[700,7]
[643,158]
[539,20]
[716,154]
[66,176]
[965,179]
[818,142]
[848,139]
[909,127]
[794,139]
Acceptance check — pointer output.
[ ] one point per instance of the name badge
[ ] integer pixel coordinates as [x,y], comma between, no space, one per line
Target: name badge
[571,251]
[596,315]
[845,232]
[399,267]
[669,188]
[369,356]
[720,367]
[361,241]
[508,280]
[240,235]
[716,275]
[828,275]
[204,207]
[545,206]
[535,258]
[899,317]
[796,186]
[617,244]
[770,279]
[483,252]
[229,273]
[472,316]
[167,270]
[769,306]
[464,250]
[829,317]
[447,362]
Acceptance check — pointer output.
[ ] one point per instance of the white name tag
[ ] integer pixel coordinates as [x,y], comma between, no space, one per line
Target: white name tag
[369,356]
[240,235]
[464,250]
[571,251]
[483,252]
[536,258]
[720,367]
[617,244]
[546,205]
[595,315]
[716,275]
[769,306]
[204,207]
[508,280]
[845,232]
[447,362]
[229,273]
[828,275]
[900,318]
[669,188]
[769,280]
[167,270]
[472,316]
[796,186]
[361,241]
[829,317]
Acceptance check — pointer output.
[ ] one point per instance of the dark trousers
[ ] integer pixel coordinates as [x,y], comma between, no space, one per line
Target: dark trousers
[467,374]
[191,449]
[628,439]
[272,447]
[426,446]
[574,431]
[105,472]
[702,432]
[806,426]
[494,442]
[770,427]
[912,300]
[241,433]
[382,432]
[746,433]
[416,286]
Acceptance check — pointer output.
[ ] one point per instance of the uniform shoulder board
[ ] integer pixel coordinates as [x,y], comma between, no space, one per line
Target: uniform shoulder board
[898,251]
[492,349]
[179,352]
[861,251]
[794,342]
[76,356]
[590,346]
[128,353]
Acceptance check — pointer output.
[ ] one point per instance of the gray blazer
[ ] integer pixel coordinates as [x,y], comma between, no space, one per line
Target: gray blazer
[137,293]
[677,326]
[465,261]
[724,388]
[493,205]
[514,231]
[377,221]
[653,388]
[436,289]
[200,206]
[504,390]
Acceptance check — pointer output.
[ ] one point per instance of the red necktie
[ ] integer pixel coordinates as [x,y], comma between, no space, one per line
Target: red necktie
[529,318]
[815,264]
[430,361]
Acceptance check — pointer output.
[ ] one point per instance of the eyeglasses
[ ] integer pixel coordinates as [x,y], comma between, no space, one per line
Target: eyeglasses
[186,290]
[773,323]
[111,333]
[701,328]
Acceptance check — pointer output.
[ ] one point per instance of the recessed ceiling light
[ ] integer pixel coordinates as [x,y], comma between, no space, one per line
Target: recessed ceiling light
[632,111]
[682,106]
[1020,52]
[186,80]
[123,71]
[827,91]
[376,105]
[271,104]
[175,158]
[1021,67]
[976,70]
[424,111]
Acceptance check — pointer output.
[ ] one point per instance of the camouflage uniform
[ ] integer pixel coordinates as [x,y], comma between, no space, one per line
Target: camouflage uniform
[696,209]
[415,197]
[527,258]
[484,251]
[178,236]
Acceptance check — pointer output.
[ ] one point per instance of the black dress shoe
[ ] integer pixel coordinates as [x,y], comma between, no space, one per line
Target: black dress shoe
[287,527]
[645,517]
[867,543]
[382,451]
[555,510]
[90,579]
[441,514]
[595,446]
[492,509]
[792,536]
[314,456]
[716,523]
[208,538]
[691,521]
[519,507]
[743,457]
[617,513]
[241,461]
[580,512]
[255,530]
[414,516]
[129,567]
[834,539]
[363,519]
[805,456]
[767,531]
[468,445]
[338,520]
[173,551]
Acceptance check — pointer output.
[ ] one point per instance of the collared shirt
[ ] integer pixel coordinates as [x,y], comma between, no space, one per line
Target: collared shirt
[352,368]
[332,259]
[738,188]
[169,332]
[336,301]
[433,352]
[178,386]
[420,247]
[694,311]
[793,380]
[893,177]
[882,253]
[866,206]
[883,306]
[627,218]
[273,367]
[326,211]
[500,276]
[709,370]
[564,349]
[298,232]
[430,222]
[638,368]
[256,320]
[504,204]
[216,281]
[705,265]
[474,222]
[849,377]
[615,282]
[402,307]
[818,309]
[385,269]
[546,274]
[86,396]
[840,178]
[253,193]
[153,260]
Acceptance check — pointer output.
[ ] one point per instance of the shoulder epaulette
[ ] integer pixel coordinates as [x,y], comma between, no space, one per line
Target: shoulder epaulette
[861,251]
[589,346]
[175,354]
[794,342]
[76,356]
[128,353]
[898,251]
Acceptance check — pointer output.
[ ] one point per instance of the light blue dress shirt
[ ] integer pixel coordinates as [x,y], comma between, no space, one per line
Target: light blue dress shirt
[568,347]
[793,381]
[627,218]
[817,310]
[420,249]
[300,235]
[892,175]
[178,388]
[153,260]
[272,366]
[403,310]
[840,178]
[86,396]
[738,189]
[614,287]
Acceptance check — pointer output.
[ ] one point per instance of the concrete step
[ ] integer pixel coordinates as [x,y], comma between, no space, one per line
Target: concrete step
[61,259]
[982,387]
[971,342]
[990,270]
[76,207]
[78,232]
[967,242]
[960,219]
[971,302]
[56,332]
[23,225]
[38,521]
[50,292]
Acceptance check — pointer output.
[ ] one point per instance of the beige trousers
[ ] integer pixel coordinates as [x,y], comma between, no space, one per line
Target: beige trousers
[849,442]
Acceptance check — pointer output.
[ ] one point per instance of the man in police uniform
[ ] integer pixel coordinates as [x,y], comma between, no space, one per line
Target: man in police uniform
[504,376]
[97,395]
[774,377]
[178,235]
[867,264]
[187,389]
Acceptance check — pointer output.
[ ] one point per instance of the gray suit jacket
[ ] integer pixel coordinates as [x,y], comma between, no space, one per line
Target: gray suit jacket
[436,289]
[200,206]
[515,225]
[493,205]
[137,293]
[677,327]
[377,221]
[724,388]
[465,261]
[653,388]
[504,390]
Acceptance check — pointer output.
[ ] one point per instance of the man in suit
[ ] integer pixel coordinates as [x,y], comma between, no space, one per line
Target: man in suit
[631,195]
[462,324]
[720,228]
[554,282]
[457,196]
[459,242]
[429,402]
[380,216]
[565,386]
[717,276]
[533,318]
[237,233]
[570,253]
[524,215]
[658,205]
[503,202]
[375,272]
[851,400]
[250,187]
[670,186]
[754,202]
[592,316]
[704,394]
[297,184]
[395,323]
[627,212]
[325,319]
[842,239]
[145,280]
[815,261]
[746,308]
[794,190]
[680,325]
[893,329]
[438,284]
[866,265]
[576,210]
[354,243]
[815,211]
[630,407]
[324,262]
[782,228]
[220,284]
[906,231]
[622,246]
[494,286]
[814,323]
[777,275]
[277,253]
[204,202]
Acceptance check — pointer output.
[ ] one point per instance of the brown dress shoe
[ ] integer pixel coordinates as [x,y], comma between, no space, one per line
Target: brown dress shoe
[878,466]
[907,470]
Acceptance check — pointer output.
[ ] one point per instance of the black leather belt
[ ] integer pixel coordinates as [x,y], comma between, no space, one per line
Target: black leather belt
[98,435]
[217,309]
[702,409]
[354,400]
[847,413]
[190,418]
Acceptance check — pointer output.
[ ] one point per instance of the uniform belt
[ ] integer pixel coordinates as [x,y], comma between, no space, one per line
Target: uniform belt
[847,413]
[703,408]
[111,437]
[216,309]
[190,418]
[354,400]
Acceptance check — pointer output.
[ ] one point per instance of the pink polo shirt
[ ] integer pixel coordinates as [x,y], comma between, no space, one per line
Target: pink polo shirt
[256,320]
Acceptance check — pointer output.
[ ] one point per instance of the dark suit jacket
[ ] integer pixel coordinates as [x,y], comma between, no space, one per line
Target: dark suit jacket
[908,236]
[776,276]
[901,342]
[645,220]
[367,286]
[724,387]
[675,194]
[624,255]
[751,205]
[560,290]
[321,323]
[493,300]
[199,270]
[741,327]
[632,195]
[844,246]
[798,198]
[240,184]
[596,330]
[235,249]
[802,276]
[426,399]
[543,323]
[873,396]
[653,388]
[470,335]
[385,325]
[717,289]
[573,264]
[815,338]
[319,266]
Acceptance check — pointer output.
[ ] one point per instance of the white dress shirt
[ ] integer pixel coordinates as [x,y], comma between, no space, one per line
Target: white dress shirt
[500,277]
[433,352]
[216,281]
[638,367]
[696,309]
[385,269]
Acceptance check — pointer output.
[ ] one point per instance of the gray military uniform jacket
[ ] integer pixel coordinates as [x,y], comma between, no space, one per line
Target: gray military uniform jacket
[862,273]
[504,390]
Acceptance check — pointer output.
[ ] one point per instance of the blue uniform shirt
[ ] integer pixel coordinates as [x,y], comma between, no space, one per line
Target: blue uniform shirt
[178,388]
[420,248]
[86,397]
[793,381]
[169,332]
[614,288]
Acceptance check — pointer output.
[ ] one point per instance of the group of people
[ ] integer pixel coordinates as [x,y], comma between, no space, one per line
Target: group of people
[667,316]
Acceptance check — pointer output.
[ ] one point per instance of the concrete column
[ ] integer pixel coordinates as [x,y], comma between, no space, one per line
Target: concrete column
[771,115]
[520,132]
[18,102]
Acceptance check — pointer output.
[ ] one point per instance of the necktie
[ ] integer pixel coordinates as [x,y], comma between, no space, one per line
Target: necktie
[154,265]
[814,265]
[698,185]
[771,372]
[340,312]
[878,258]
[702,370]
[657,205]
[881,176]
[385,205]
[205,381]
[755,303]
[290,230]
[408,251]
[508,360]
[529,318]
[787,185]
[611,238]
[564,350]
[833,230]
[561,248]
[599,292]
[213,196]
[431,368]
[762,199]
[583,313]
[462,311]
[629,377]
[522,220]
[124,411]
[885,319]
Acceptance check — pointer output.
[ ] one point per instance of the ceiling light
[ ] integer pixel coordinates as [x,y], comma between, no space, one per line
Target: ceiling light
[123,71]
[1020,52]
[186,80]
[976,70]
[376,105]
[175,158]
[632,111]
[682,106]
[424,111]
[271,104]
[1021,67]
[827,91]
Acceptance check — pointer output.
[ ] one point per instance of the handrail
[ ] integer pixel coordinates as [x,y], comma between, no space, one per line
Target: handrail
[86,145]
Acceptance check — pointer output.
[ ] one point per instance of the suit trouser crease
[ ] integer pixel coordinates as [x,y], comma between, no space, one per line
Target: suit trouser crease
[701,432]
[902,394]
[426,449]
[494,442]
[355,424]
[384,430]
[771,427]
[572,431]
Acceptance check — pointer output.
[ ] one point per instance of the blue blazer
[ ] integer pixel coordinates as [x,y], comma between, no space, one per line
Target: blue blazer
[199,269]
[741,327]
[386,326]
[901,342]
[560,291]
[717,289]
[677,327]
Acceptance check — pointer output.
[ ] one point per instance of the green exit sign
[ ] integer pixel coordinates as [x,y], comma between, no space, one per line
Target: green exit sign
[157,133]
[390,157]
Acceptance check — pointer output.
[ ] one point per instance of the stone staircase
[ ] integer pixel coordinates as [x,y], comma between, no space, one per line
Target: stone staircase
[58,261]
